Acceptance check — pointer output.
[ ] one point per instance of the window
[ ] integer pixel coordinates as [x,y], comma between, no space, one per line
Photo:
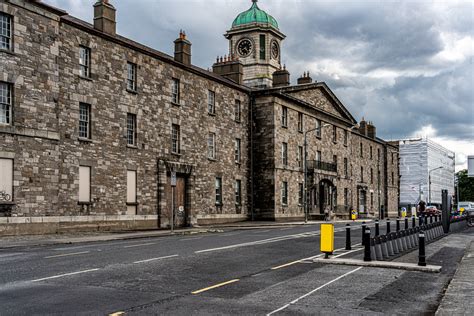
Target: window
[346,169]
[334,159]
[5,31]
[211,102]
[378,154]
[372,199]
[211,146]
[84,184]
[334,134]
[175,91]
[175,139]
[318,128]
[300,194]
[300,157]
[131,192]
[218,191]
[346,137]
[262,46]
[84,61]
[318,155]
[370,152]
[284,116]
[6,180]
[131,76]
[393,179]
[238,192]
[361,174]
[361,151]
[237,110]
[346,197]
[5,103]
[300,122]
[237,150]
[284,193]
[84,120]
[131,129]
[284,154]
[371,176]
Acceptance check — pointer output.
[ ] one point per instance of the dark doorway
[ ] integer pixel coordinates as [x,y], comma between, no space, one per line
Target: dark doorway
[179,203]
[326,194]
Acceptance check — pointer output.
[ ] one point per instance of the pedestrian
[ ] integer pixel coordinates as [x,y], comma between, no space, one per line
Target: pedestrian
[421,208]
[326,214]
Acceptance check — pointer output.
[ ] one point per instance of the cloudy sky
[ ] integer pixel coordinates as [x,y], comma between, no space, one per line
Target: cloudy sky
[406,65]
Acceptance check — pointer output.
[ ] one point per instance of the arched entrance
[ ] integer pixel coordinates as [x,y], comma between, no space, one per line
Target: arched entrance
[327,195]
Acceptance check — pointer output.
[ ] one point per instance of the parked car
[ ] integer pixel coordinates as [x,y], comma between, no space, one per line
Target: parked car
[432,210]
[468,208]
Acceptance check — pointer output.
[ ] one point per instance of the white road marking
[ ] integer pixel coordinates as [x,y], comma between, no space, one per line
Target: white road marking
[63,275]
[139,245]
[194,238]
[348,252]
[67,254]
[313,291]
[153,259]
[261,231]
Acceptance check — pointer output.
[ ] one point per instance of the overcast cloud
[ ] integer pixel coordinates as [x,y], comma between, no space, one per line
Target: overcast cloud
[405,65]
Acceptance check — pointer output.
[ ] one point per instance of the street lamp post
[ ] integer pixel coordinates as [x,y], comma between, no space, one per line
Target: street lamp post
[306,169]
[429,183]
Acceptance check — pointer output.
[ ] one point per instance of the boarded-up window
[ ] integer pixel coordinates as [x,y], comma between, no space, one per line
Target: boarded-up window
[84,184]
[131,192]
[6,179]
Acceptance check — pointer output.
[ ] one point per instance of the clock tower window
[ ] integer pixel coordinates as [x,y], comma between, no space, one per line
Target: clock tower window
[262,46]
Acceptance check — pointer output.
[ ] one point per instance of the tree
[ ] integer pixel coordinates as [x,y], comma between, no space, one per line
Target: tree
[466,186]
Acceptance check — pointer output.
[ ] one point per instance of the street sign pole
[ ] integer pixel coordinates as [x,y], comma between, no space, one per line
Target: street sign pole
[173,186]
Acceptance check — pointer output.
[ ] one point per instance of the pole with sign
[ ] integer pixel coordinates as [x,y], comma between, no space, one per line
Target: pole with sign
[173,186]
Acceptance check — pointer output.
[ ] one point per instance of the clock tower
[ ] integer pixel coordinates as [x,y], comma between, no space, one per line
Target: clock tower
[256,40]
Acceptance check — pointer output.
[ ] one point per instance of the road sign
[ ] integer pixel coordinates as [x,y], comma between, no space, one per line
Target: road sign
[173,178]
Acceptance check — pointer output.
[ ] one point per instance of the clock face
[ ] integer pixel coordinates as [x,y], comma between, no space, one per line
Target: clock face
[275,50]
[244,47]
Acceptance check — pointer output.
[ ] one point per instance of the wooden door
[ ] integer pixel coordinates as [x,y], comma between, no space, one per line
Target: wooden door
[178,201]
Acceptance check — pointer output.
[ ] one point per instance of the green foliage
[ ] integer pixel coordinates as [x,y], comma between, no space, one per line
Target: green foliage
[466,186]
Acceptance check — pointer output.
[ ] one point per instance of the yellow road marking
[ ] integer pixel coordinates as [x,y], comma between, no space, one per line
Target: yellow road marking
[67,254]
[117,314]
[286,265]
[215,286]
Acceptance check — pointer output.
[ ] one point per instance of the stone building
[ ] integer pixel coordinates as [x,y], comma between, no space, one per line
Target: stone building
[97,130]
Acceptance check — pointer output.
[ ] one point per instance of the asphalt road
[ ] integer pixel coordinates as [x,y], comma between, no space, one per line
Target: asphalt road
[243,272]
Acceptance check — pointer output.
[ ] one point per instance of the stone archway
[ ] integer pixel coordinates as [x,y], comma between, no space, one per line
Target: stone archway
[327,195]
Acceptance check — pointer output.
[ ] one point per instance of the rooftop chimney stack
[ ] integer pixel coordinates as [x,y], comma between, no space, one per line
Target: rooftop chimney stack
[363,127]
[229,67]
[305,79]
[371,130]
[281,78]
[182,49]
[104,17]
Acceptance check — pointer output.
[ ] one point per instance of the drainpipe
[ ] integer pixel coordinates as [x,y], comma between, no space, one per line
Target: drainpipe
[158,207]
[251,122]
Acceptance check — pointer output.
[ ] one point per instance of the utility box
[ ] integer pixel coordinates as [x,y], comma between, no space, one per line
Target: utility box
[327,238]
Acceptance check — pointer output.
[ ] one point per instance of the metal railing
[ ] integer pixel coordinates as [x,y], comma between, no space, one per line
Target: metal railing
[321,165]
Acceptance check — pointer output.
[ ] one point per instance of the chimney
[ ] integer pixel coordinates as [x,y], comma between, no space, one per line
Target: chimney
[363,127]
[229,67]
[182,49]
[281,78]
[371,130]
[305,78]
[104,17]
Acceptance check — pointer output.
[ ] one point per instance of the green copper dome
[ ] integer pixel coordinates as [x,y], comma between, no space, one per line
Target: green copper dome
[254,15]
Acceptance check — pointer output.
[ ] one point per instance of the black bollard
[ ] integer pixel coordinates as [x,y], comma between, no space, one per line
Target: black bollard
[366,243]
[388,226]
[398,224]
[348,236]
[431,219]
[421,252]
[413,221]
[363,232]
[420,220]
[377,229]
[406,222]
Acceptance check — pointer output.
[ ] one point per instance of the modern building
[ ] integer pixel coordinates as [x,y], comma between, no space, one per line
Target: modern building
[97,130]
[426,168]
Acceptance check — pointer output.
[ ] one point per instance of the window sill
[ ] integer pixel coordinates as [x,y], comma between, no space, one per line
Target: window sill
[219,204]
[85,140]
[84,203]
[284,126]
[211,114]
[85,78]
[334,142]
[132,91]
[176,154]
[238,163]
[132,146]
[301,132]
[284,205]
[132,203]
[175,104]
[8,203]
[238,121]
[318,137]
[8,51]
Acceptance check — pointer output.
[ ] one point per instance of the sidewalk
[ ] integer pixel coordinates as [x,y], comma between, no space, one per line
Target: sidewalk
[459,296]
[43,240]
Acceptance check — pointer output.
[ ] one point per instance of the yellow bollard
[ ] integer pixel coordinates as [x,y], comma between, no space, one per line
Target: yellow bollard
[327,239]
